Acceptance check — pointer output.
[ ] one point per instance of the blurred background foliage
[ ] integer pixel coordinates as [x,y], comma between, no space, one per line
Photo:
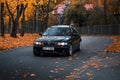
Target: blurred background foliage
[37,14]
[103,12]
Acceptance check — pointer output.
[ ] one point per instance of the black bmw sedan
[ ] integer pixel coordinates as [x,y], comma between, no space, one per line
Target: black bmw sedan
[60,39]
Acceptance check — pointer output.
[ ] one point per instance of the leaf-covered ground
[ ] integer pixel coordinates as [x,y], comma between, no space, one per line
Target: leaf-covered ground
[114,47]
[96,63]
[8,42]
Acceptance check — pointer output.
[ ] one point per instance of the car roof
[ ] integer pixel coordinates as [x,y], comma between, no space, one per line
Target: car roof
[61,26]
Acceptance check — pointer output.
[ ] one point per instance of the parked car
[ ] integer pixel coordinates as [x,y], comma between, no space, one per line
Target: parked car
[60,39]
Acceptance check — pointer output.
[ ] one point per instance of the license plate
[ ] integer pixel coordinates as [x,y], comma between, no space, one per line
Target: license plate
[48,48]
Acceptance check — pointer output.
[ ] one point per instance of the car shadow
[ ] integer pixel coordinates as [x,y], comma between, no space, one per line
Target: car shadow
[52,55]
[58,55]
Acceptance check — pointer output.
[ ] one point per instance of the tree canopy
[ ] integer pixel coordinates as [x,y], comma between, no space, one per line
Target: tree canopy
[75,13]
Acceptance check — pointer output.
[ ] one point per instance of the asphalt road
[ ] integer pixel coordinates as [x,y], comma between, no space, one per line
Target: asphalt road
[87,64]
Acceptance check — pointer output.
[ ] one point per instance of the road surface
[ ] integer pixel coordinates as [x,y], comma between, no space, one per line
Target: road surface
[87,64]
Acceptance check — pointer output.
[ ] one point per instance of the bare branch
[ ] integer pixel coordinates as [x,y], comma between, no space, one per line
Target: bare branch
[11,14]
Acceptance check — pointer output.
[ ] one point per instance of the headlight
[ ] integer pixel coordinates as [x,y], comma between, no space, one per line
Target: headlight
[38,43]
[62,43]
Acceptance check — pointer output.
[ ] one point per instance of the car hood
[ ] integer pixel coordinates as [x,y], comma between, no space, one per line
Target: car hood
[53,38]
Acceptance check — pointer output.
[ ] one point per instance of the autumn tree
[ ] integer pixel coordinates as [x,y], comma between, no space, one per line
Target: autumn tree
[20,10]
[45,9]
[75,13]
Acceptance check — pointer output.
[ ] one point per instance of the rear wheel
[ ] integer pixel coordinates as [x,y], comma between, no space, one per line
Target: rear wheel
[70,51]
[79,47]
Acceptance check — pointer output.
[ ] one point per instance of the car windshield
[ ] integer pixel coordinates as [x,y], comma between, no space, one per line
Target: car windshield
[57,31]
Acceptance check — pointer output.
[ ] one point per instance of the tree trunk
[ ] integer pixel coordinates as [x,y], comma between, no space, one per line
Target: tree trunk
[23,21]
[2,20]
[22,31]
[46,21]
[9,25]
[35,25]
[105,11]
[14,29]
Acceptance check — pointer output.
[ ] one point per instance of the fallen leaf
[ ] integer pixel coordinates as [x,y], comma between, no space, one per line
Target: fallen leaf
[56,62]
[95,65]
[52,71]
[24,75]
[77,69]
[89,73]
[32,75]
[90,78]
[105,66]
[61,69]
[68,78]
[50,76]
[70,58]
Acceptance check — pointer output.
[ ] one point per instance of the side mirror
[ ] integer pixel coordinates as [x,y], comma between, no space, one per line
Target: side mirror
[40,33]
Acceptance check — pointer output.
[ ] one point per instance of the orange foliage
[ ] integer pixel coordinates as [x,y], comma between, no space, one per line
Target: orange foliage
[30,10]
[115,46]
[9,42]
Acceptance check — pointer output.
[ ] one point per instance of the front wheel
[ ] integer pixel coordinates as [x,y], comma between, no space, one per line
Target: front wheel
[70,51]
[36,53]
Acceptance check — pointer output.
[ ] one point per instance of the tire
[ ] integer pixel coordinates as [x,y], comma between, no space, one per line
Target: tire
[79,47]
[70,51]
[36,53]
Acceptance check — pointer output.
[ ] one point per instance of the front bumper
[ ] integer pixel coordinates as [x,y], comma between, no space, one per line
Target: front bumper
[57,49]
